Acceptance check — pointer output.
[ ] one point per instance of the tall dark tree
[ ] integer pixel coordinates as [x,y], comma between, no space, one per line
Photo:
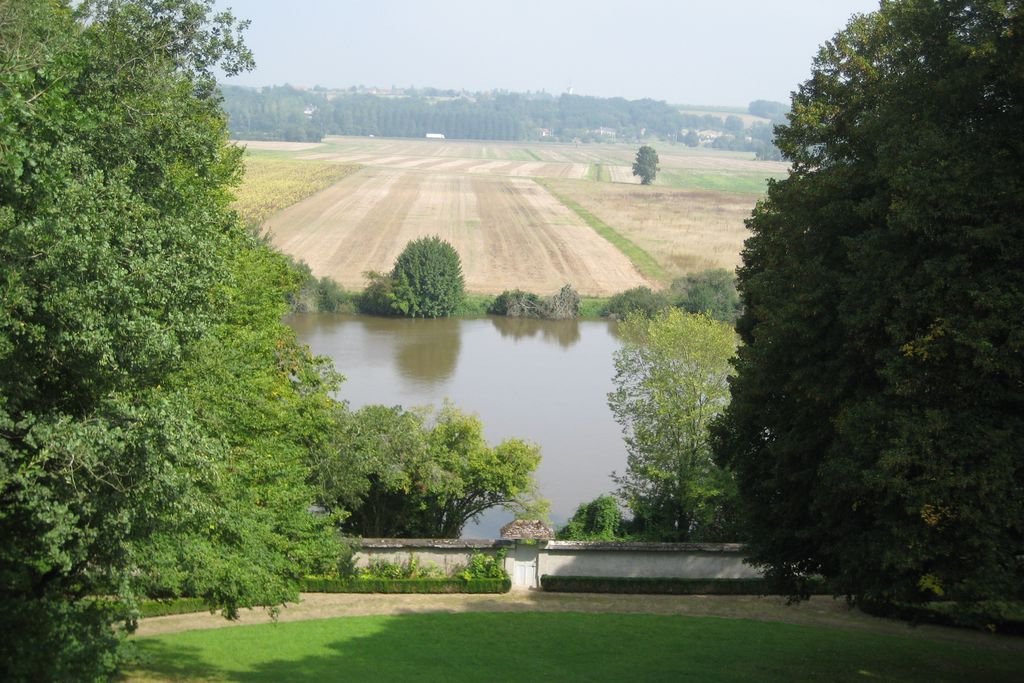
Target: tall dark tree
[646,164]
[877,418]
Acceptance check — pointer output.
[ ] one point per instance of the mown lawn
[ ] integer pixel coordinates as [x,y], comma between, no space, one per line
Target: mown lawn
[561,647]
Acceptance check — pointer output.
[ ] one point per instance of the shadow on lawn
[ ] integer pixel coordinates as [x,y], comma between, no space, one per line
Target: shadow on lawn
[576,647]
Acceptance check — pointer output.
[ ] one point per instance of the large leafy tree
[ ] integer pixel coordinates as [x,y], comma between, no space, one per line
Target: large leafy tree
[399,474]
[878,413]
[670,382]
[140,345]
[427,279]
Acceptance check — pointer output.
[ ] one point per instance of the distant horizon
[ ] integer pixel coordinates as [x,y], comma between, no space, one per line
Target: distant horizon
[710,106]
[659,49]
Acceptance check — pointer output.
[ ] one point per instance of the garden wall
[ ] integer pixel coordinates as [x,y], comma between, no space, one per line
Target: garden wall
[527,561]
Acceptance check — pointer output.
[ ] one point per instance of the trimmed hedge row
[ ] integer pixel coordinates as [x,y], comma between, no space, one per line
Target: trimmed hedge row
[657,585]
[429,585]
[162,608]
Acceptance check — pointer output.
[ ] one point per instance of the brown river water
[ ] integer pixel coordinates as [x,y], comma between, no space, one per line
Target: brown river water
[540,380]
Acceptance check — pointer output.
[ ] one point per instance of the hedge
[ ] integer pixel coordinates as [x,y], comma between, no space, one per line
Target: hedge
[427,585]
[161,608]
[658,585]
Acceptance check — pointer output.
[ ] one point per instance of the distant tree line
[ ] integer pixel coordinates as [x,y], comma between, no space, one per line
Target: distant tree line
[287,113]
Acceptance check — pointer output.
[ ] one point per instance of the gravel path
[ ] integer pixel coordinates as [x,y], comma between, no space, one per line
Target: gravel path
[819,611]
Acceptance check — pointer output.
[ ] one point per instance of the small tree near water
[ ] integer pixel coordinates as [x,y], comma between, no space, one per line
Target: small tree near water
[427,279]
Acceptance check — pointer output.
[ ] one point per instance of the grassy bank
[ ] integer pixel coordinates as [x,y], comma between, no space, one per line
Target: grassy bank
[560,646]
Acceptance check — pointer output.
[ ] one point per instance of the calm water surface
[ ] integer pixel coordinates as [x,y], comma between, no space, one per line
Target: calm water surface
[539,380]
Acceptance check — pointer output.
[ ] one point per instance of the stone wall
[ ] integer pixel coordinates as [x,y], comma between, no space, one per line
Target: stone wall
[527,561]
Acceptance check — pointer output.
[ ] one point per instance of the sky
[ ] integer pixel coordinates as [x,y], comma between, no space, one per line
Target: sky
[681,51]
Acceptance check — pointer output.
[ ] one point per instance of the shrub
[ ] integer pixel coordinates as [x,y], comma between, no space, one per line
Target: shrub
[516,304]
[378,296]
[423,585]
[427,279]
[562,306]
[485,566]
[411,569]
[640,299]
[598,520]
[709,291]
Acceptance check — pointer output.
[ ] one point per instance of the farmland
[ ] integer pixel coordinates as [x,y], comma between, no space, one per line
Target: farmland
[512,210]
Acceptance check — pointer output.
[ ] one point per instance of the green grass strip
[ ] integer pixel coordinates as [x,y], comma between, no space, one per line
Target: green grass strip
[643,261]
[568,647]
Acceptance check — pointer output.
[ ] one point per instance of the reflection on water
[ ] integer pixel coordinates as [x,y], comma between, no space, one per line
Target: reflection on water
[429,350]
[564,332]
[541,380]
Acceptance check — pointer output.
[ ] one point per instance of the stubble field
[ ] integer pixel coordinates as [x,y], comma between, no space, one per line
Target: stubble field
[501,205]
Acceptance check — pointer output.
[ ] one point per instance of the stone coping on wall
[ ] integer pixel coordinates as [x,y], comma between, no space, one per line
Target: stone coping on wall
[490,543]
[634,546]
[453,543]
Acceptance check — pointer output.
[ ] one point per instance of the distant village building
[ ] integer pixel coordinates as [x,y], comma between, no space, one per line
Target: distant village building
[606,132]
[309,111]
[435,136]
[545,132]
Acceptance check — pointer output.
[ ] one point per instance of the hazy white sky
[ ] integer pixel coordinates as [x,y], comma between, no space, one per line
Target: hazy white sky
[705,52]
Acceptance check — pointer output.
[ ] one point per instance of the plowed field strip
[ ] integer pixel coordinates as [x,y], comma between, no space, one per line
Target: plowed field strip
[510,232]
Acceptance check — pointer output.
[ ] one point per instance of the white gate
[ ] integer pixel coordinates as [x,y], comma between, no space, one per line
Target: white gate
[524,566]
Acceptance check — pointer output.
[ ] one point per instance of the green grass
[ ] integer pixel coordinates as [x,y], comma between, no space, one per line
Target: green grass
[743,183]
[599,173]
[533,154]
[643,261]
[561,647]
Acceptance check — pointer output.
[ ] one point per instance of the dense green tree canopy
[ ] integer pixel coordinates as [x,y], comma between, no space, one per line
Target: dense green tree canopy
[401,475]
[141,351]
[878,413]
[427,279]
[646,165]
[670,381]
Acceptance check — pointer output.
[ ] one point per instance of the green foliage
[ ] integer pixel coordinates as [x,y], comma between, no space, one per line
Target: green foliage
[641,300]
[154,412]
[399,476]
[659,585]
[564,305]
[516,303]
[481,566]
[378,297]
[670,381]
[877,415]
[411,569]
[419,585]
[646,165]
[709,291]
[598,520]
[427,279]
[279,113]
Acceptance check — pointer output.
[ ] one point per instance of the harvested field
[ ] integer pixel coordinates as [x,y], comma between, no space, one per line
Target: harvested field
[509,231]
[683,230]
[276,145]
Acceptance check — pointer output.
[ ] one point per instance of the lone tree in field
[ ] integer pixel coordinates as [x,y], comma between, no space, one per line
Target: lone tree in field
[427,279]
[646,164]
[877,417]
